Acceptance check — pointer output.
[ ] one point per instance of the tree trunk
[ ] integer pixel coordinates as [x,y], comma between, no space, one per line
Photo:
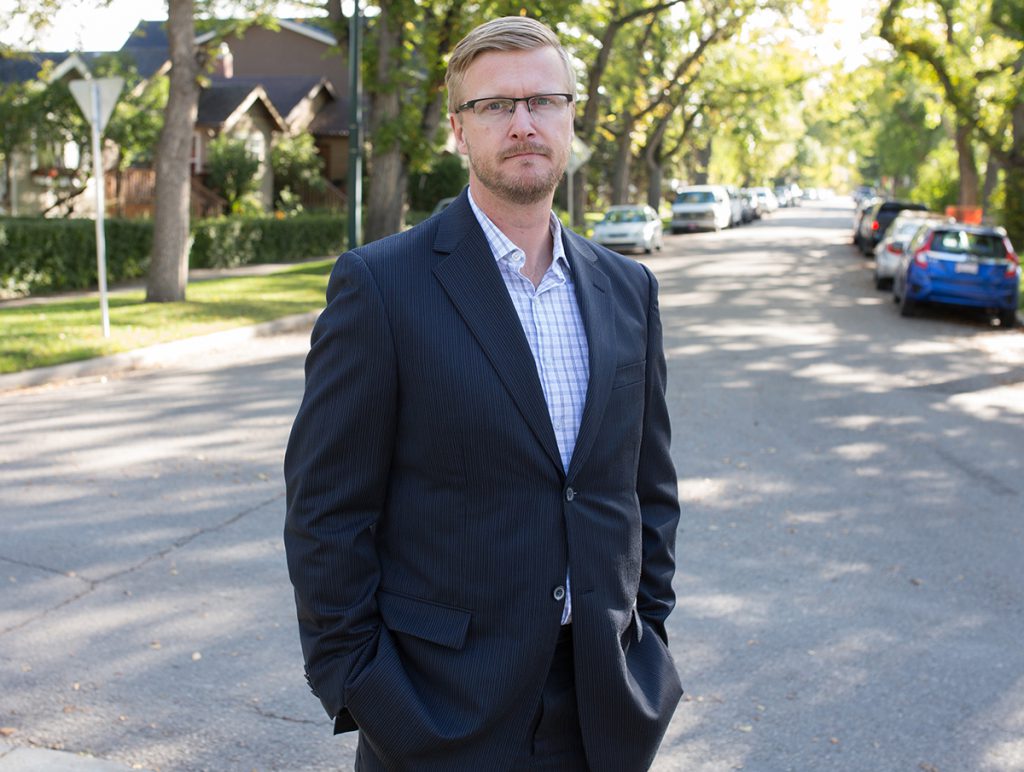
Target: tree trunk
[623,159]
[385,202]
[1013,164]
[654,175]
[970,182]
[700,165]
[168,267]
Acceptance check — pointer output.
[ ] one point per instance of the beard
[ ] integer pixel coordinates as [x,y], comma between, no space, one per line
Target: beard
[525,184]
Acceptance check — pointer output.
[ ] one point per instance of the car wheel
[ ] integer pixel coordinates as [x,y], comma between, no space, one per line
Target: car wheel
[881,283]
[1007,318]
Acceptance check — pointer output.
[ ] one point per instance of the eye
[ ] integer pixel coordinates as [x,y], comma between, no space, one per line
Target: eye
[493,106]
[542,102]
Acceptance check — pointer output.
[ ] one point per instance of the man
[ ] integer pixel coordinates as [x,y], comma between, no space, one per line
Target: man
[482,507]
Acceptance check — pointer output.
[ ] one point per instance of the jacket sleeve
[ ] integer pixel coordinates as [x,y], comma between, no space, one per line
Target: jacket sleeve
[656,482]
[336,471]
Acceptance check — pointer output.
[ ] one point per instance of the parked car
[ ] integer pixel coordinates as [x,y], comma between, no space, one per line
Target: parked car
[862,193]
[630,226]
[958,264]
[751,205]
[876,221]
[890,249]
[766,198]
[736,202]
[701,207]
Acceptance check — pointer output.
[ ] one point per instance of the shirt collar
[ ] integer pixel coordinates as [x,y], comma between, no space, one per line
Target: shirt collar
[503,248]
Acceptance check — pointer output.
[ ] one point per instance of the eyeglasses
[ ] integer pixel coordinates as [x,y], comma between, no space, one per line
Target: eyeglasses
[501,109]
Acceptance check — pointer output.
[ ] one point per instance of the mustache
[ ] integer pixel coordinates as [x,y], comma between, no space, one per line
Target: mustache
[527,147]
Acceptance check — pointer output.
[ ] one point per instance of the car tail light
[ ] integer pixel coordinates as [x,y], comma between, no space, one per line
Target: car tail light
[894,248]
[1012,261]
[874,226]
[920,254]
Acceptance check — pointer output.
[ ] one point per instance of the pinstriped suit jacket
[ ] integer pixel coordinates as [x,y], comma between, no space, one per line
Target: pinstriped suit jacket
[430,521]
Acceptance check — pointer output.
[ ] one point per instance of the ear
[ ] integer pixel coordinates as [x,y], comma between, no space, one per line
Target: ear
[458,133]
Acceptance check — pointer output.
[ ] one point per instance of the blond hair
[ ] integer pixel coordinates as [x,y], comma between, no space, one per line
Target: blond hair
[508,33]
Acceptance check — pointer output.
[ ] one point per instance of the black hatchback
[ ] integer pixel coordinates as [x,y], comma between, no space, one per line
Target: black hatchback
[876,221]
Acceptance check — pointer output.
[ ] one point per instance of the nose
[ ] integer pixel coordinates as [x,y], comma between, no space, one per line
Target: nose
[521,122]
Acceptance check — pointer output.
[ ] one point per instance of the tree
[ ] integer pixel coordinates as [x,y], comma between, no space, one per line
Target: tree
[168,265]
[975,50]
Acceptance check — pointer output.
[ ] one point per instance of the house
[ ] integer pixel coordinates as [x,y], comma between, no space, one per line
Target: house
[299,66]
[38,172]
[265,83]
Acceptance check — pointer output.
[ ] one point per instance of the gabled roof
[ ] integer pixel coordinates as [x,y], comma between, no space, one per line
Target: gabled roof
[23,67]
[152,35]
[285,91]
[223,103]
[332,120]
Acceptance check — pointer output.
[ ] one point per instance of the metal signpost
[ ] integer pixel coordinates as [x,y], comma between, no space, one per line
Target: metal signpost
[355,129]
[96,97]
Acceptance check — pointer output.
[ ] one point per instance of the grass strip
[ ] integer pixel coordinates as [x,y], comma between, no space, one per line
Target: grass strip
[55,332]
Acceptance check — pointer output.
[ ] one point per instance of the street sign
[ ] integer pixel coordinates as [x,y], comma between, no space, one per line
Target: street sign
[579,154]
[109,91]
[96,97]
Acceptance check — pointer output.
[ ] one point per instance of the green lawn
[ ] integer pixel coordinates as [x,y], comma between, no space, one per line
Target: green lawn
[50,333]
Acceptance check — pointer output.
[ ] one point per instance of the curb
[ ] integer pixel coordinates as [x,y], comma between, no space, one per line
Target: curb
[153,356]
[28,759]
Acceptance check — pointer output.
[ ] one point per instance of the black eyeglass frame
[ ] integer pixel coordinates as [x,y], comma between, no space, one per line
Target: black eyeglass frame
[514,100]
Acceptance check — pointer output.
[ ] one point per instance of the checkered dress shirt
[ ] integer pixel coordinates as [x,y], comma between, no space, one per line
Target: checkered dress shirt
[554,330]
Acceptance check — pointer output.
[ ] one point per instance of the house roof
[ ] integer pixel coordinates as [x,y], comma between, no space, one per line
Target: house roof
[285,91]
[332,120]
[222,103]
[22,67]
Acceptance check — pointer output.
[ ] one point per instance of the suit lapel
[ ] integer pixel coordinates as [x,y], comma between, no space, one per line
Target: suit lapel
[593,293]
[469,275]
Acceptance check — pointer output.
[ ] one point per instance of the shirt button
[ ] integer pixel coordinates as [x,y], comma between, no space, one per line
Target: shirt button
[570,494]
[559,593]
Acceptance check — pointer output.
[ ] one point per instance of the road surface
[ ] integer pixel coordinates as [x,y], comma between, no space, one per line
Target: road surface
[850,582]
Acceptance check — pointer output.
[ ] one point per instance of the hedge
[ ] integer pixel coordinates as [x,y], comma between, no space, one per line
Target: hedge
[43,255]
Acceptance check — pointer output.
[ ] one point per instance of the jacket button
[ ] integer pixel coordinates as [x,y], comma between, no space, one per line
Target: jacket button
[559,593]
[570,494]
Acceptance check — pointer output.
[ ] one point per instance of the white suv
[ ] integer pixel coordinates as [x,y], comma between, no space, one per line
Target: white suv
[701,207]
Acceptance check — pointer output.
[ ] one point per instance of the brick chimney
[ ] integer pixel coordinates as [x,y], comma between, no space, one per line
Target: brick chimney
[224,65]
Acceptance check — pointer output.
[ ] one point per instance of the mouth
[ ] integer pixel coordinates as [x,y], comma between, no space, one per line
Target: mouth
[527,151]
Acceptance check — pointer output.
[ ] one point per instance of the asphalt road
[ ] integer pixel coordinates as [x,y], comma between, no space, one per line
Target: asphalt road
[851,587]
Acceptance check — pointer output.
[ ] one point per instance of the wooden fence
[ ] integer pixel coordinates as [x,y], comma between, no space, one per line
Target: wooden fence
[131,193]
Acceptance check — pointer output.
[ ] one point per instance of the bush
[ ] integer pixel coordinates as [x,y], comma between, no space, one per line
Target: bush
[39,255]
[230,241]
[43,255]
[447,178]
[231,169]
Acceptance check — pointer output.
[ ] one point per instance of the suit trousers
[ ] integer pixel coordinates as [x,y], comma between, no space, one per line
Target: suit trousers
[555,742]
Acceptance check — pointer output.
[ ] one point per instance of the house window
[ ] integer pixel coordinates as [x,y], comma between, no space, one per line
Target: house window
[257,145]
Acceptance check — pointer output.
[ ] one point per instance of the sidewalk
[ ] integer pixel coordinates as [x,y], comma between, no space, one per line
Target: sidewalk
[161,353]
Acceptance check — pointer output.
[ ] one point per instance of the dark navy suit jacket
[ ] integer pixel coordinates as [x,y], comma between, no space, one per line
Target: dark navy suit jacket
[430,522]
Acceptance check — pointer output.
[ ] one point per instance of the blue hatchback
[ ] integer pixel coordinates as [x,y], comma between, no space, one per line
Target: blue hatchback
[958,264]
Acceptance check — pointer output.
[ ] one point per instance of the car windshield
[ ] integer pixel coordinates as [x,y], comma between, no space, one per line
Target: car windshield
[624,215]
[695,197]
[959,242]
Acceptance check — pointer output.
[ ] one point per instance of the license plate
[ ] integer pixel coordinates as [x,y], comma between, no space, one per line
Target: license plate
[966,267]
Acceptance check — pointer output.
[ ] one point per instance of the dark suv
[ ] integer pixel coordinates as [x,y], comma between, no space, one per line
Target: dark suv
[876,221]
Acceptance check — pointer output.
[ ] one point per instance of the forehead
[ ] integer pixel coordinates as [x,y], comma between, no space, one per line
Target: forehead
[515,73]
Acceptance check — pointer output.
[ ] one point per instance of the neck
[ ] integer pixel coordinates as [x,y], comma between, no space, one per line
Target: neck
[528,226]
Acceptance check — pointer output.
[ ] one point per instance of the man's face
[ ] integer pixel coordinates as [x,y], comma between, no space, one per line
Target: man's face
[519,159]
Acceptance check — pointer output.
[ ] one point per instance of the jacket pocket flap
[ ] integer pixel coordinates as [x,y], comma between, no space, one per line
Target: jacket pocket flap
[627,374]
[443,625]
